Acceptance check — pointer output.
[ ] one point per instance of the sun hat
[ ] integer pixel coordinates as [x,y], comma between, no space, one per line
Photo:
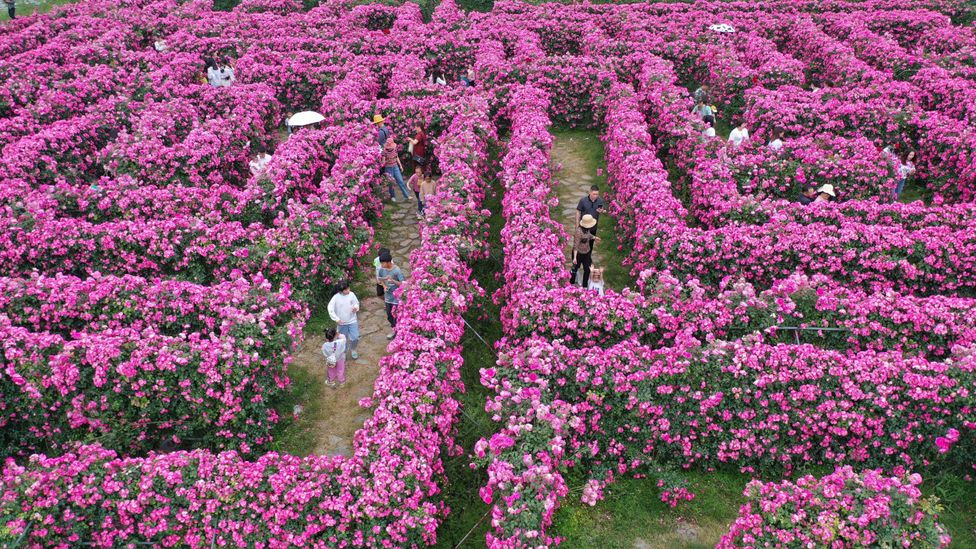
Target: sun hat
[377,118]
[827,189]
[587,221]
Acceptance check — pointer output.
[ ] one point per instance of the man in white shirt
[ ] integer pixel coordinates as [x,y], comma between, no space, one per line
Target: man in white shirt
[739,134]
[343,309]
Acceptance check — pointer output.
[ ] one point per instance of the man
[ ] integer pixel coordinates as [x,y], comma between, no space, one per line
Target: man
[701,94]
[260,162]
[390,276]
[382,132]
[591,204]
[11,8]
[343,309]
[739,135]
[808,194]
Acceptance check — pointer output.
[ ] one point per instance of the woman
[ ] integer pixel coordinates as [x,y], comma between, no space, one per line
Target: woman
[825,193]
[905,168]
[418,148]
[583,240]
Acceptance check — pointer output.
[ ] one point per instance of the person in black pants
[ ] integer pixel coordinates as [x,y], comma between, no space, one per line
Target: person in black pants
[583,240]
[11,7]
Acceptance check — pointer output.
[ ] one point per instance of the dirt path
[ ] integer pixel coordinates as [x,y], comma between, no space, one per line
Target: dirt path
[571,151]
[338,415]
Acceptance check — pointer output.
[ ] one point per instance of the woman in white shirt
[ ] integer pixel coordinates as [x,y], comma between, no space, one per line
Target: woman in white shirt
[777,142]
[334,351]
[739,134]
[226,74]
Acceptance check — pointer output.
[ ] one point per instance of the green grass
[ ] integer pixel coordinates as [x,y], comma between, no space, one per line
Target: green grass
[632,511]
[29,8]
[590,148]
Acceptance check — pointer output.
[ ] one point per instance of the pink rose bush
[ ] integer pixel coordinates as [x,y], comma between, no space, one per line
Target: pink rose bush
[842,509]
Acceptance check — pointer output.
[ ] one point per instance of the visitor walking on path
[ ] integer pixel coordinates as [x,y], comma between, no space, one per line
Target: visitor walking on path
[334,350]
[393,168]
[591,205]
[418,149]
[11,8]
[390,276]
[380,289]
[583,240]
[343,310]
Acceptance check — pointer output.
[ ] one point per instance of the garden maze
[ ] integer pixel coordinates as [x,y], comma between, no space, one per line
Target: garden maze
[154,292]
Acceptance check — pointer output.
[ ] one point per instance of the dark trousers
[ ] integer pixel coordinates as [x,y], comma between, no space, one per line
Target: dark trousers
[420,205]
[11,8]
[584,260]
[390,307]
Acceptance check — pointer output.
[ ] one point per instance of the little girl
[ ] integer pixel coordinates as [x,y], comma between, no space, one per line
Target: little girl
[427,189]
[334,350]
[596,280]
[415,182]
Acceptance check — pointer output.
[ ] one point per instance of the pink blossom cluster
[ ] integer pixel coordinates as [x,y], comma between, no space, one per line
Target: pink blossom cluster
[843,509]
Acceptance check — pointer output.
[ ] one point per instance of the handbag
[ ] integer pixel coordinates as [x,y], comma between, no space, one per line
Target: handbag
[410,147]
[380,290]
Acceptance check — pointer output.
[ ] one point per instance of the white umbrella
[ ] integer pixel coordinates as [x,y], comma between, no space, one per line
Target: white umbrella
[305,118]
[723,28]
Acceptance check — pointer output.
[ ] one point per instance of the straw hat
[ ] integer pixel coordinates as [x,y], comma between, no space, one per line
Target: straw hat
[827,189]
[377,118]
[587,221]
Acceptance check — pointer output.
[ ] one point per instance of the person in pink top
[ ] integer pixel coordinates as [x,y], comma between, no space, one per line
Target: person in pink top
[334,350]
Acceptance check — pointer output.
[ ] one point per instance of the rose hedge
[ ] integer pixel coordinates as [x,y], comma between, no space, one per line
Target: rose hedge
[843,509]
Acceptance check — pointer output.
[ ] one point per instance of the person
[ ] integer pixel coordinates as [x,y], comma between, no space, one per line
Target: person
[825,193]
[739,135]
[390,276]
[225,74]
[701,94]
[591,205]
[260,162]
[709,131]
[427,189]
[213,74]
[11,8]
[583,239]
[160,45]
[393,168]
[468,79]
[808,194]
[382,132]
[705,112]
[418,148]
[437,77]
[777,142]
[334,350]
[414,183]
[380,289]
[596,280]
[905,168]
[343,310]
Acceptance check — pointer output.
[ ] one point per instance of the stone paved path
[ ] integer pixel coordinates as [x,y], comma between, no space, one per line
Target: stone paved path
[341,415]
[573,183]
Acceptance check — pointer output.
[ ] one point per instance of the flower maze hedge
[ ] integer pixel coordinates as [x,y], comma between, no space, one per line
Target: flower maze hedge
[153,291]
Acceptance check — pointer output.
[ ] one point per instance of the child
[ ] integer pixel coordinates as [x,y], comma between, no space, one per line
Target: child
[427,188]
[334,350]
[596,280]
[414,183]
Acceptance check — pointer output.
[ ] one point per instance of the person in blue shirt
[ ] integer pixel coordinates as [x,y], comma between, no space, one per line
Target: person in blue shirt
[390,276]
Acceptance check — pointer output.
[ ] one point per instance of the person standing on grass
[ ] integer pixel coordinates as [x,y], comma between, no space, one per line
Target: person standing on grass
[334,350]
[11,8]
[343,310]
[591,205]
[390,276]
[583,239]
[393,168]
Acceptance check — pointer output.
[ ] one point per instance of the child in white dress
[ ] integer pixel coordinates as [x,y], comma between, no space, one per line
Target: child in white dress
[596,280]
